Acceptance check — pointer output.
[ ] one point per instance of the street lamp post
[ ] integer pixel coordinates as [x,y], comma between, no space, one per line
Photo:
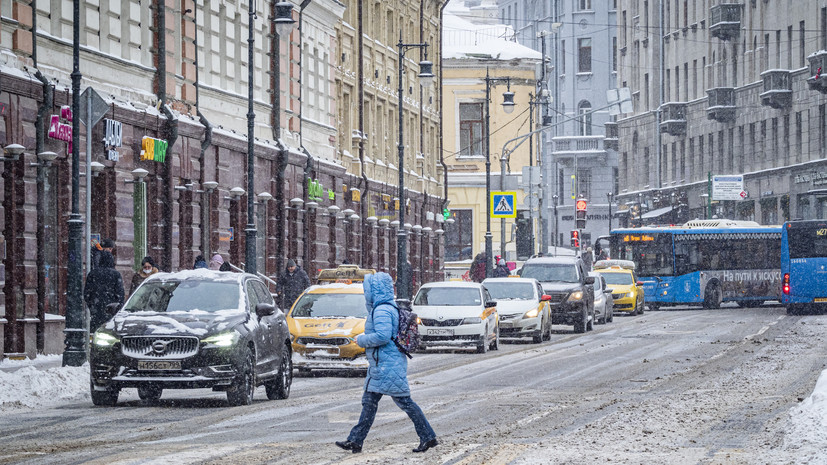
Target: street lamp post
[250,230]
[74,353]
[426,77]
[554,199]
[508,107]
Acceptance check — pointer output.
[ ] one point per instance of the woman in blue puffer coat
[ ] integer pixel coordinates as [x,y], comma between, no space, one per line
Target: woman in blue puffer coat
[388,367]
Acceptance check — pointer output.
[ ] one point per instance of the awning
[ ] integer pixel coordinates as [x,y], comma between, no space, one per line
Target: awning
[656,213]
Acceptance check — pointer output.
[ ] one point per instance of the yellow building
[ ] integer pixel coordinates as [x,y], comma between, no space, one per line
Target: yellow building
[473,51]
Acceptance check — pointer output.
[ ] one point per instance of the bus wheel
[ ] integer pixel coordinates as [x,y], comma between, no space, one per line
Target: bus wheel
[713,296]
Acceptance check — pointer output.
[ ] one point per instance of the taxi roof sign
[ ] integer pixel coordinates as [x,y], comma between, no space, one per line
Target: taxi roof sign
[606,264]
[344,273]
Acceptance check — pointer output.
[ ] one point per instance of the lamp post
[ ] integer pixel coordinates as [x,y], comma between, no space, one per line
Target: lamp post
[426,77]
[554,199]
[74,353]
[508,107]
[609,196]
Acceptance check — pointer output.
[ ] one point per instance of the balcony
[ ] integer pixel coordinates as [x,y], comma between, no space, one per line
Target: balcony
[725,20]
[567,149]
[673,118]
[778,91]
[611,140]
[818,69]
[721,102]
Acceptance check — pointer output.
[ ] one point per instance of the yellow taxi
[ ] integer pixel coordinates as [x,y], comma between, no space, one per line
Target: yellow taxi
[621,278]
[325,320]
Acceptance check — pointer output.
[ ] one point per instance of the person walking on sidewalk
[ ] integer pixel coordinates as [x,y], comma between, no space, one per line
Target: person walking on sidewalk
[387,367]
[148,269]
[291,284]
[104,285]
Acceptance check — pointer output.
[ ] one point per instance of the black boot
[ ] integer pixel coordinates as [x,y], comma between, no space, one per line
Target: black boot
[423,446]
[351,446]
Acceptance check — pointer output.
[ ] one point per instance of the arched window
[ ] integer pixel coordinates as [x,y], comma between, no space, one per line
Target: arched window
[584,116]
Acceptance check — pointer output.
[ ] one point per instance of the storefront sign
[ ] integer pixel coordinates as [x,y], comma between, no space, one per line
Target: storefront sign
[153,149]
[112,139]
[816,177]
[60,126]
[728,187]
[314,190]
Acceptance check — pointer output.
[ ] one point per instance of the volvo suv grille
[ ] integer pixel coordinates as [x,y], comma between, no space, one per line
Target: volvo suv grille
[172,347]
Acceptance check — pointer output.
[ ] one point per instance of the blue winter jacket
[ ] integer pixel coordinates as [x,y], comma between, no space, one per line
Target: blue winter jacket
[388,367]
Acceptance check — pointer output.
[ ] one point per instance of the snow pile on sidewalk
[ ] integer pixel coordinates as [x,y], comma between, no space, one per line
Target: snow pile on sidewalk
[807,432]
[31,387]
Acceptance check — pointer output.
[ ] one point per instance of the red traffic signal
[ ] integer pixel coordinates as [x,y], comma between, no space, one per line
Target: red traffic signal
[581,205]
[575,238]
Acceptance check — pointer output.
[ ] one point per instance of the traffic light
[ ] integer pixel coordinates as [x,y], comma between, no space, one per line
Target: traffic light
[580,214]
[575,238]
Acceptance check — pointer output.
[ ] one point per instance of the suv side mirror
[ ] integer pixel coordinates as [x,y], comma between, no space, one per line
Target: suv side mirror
[263,310]
[491,303]
[545,298]
[113,308]
[589,280]
[639,283]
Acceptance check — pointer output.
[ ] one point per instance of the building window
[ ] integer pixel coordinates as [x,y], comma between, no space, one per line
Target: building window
[584,55]
[584,183]
[470,129]
[614,54]
[584,5]
[459,236]
[798,144]
[584,119]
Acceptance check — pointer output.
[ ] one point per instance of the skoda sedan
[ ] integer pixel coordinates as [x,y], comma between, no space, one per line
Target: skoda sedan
[457,314]
[194,329]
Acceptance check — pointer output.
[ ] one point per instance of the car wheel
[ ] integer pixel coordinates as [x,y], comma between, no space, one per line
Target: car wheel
[107,398]
[482,345]
[640,308]
[150,393]
[713,296]
[541,333]
[280,388]
[635,310]
[495,345]
[241,393]
[590,322]
[610,315]
[582,325]
[547,333]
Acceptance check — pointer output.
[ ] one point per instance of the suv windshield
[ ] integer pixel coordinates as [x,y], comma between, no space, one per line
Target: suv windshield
[551,272]
[510,291]
[330,306]
[185,296]
[618,278]
[448,296]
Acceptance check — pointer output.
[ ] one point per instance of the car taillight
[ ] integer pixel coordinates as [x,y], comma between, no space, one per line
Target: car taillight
[786,285]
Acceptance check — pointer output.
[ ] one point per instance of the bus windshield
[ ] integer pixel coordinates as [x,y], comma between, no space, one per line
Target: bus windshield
[651,252]
[808,242]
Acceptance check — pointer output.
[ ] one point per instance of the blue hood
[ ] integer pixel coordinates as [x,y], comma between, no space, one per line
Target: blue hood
[378,289]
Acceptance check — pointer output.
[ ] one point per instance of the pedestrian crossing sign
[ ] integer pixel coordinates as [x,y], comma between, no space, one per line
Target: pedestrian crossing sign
[502,204]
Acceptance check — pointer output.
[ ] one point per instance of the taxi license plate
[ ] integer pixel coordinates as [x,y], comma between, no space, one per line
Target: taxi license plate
[820,299]
[159,365]
[440,332]
[505,325]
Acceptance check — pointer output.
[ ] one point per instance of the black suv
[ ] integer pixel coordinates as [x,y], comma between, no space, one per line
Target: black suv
[194,329]
[571,289]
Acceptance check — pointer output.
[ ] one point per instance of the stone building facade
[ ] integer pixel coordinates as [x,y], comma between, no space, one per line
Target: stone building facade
[740,92]
[186,84]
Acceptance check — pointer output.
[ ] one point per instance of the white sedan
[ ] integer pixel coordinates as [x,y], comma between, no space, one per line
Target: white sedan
[457,314]
[522,306]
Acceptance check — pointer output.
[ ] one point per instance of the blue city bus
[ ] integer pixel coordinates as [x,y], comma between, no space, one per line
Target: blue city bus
[804,265]
[703,262]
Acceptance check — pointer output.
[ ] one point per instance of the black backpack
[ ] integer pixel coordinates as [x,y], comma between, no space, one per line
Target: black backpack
[407,338]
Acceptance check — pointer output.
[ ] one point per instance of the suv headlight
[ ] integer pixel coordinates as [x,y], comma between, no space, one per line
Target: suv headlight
[532,313]
[104,339]
[578,295]
[221,340]
[472,321]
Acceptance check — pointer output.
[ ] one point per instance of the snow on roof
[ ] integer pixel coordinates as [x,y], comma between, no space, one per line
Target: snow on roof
[464,39]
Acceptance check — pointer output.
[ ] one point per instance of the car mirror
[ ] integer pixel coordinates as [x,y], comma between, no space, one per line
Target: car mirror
[607,291]
[639,283]
[492,303]
[113,308]
[589,279]
[263,310]
[545,298]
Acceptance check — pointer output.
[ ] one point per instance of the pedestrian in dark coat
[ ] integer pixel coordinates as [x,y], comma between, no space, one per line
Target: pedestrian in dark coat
[105,245]
[199,262]
[291,284]
[478,268]
[148,269]
[104,285]
[501,271]
[387,367]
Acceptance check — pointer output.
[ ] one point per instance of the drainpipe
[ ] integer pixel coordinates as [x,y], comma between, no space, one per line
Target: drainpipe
[445,200]
[205,144]
[308,167]
[170,133]
[275,125]
[364,185]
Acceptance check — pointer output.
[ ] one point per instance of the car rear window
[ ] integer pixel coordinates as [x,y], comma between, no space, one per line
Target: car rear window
[510,291]
[185,296]
[448,296]
[551,272]
[330,306]
[618,278]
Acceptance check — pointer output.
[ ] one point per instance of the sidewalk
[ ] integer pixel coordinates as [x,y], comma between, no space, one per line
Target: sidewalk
[42,362]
